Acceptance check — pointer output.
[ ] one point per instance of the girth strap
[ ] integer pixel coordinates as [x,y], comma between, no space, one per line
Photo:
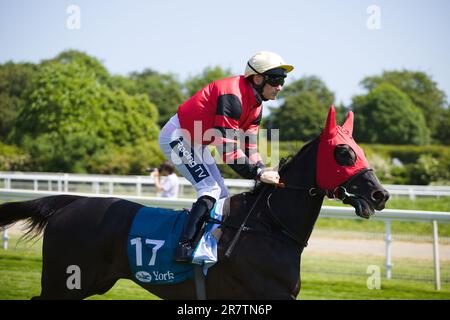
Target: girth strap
[199,279]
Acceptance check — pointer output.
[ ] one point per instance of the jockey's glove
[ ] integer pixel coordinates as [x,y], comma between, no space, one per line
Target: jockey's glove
[269,175]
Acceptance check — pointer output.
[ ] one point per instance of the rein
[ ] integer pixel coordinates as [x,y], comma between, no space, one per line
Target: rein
[339,192]
[284,228]
[243,227]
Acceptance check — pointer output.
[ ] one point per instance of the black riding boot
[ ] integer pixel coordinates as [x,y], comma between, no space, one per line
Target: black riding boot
[193,229]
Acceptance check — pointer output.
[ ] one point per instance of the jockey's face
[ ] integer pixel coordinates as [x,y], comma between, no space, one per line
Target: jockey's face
[269,92]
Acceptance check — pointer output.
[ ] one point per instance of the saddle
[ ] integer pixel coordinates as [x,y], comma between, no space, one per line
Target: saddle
[153,237]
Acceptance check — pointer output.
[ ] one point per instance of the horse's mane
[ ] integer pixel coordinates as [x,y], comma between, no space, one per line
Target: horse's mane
[284,164]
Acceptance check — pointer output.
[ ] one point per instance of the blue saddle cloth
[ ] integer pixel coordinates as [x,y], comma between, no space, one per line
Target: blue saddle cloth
[151,245]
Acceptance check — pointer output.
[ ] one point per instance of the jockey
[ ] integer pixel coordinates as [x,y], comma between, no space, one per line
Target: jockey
[218,115]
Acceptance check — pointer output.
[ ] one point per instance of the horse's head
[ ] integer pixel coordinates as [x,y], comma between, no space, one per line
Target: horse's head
[343,170]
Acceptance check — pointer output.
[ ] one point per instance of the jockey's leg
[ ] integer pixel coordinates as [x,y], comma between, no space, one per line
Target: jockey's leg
[203,175]
[215,172]
[208,194]
[193,229]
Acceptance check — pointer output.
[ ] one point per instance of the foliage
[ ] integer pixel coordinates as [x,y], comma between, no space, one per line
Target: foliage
[15,80]
[73,117]
[442,132]
[12,158]
[429,169]
[68,113]
[387,115]
[162,89]
[126,159]
[92,64]
[421,89]
[300,117]
[305,107]
[195,83]
[313,85]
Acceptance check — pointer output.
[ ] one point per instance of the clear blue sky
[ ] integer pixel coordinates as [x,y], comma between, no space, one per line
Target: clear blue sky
[327,38]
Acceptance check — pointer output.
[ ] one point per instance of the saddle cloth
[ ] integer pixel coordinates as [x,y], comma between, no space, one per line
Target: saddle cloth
[152,239]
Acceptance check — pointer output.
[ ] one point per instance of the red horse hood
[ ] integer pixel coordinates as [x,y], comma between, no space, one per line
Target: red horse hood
[329,173]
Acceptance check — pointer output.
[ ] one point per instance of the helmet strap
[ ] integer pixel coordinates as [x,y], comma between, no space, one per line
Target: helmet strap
[259,88]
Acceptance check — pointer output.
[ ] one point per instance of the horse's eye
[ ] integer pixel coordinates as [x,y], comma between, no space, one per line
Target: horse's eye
[344,155]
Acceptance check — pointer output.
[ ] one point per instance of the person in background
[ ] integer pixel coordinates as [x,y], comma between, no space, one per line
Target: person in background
[169,186]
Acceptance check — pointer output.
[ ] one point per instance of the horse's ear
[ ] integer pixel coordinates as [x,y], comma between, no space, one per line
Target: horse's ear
[330,126]
[348,124]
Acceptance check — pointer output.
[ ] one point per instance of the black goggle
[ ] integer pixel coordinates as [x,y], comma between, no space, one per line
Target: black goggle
[274,81]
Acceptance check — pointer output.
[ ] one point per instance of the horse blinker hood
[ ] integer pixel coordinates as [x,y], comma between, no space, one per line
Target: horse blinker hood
[331,174]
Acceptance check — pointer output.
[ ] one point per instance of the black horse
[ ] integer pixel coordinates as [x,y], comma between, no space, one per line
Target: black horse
[265,263]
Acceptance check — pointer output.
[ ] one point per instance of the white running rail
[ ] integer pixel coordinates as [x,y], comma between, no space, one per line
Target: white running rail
[386,215]
[64,182]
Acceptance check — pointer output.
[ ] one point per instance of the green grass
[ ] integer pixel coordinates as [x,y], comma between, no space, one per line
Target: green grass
[125,290]
[425,204]
[417,228]
[332,287]
[323,277]
[345,277]
[20,275]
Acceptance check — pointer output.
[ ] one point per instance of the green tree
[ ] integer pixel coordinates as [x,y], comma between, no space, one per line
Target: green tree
[303,111]
[93,64]
[428,169]
[442,133]
[129,159]
[15,80]
[209,74]
[74,117]
[311,84]
[387,115]
[13,158]
[422,91]
[301,117]
[164,90]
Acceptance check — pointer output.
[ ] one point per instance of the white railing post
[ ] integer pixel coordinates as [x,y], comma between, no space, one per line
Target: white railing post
[7,183]
[111,187]
[5,239]
[388,240]
[139,186]
[412,195]
[35,185]
[96,187]
[181,190]
[437,268]
[66,182]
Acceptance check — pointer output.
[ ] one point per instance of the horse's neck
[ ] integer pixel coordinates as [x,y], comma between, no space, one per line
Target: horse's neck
[297,208]
[294,208]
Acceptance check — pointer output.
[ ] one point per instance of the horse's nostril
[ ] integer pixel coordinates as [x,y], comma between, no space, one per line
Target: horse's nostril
[379,196]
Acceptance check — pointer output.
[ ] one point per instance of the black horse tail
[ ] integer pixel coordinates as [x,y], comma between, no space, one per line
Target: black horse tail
[37,212]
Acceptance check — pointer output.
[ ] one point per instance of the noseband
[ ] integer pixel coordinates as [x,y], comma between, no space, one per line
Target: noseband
[341,192]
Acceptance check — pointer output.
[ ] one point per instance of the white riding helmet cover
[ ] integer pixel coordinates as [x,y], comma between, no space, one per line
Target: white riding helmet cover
[263,61]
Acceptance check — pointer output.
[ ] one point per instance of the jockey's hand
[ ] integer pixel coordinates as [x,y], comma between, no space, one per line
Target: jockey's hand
[270,176]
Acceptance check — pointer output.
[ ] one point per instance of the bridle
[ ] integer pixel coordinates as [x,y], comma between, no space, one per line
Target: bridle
[339,192]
